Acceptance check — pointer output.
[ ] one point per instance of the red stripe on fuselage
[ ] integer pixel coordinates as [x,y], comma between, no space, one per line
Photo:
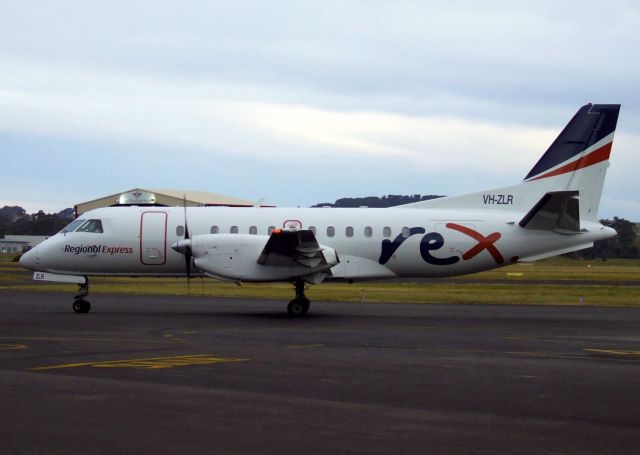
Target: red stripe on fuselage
[601,154]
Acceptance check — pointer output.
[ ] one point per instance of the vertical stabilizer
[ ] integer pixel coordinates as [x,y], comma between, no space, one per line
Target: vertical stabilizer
[579,157]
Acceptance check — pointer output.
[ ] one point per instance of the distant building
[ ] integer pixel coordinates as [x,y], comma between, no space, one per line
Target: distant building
[17,244]
[171,198]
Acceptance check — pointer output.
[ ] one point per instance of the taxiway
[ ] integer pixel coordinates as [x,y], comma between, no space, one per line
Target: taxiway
[198,375]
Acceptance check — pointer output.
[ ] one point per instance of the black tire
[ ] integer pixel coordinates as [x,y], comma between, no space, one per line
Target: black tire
[81,306]
[306,304]
[77,306]
[298,307]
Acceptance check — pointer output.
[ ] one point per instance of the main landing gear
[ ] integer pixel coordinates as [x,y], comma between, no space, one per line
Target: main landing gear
[80,305]
[299,306]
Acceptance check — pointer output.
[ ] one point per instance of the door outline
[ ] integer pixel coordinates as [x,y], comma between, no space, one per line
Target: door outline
[163,248]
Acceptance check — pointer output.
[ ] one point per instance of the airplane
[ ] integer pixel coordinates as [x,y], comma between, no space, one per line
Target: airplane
[552,212]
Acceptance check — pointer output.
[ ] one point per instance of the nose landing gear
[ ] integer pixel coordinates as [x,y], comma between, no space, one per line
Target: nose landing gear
[80,305]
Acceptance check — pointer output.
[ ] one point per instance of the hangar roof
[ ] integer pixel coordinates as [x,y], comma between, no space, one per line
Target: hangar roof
[164,197]
[202,197]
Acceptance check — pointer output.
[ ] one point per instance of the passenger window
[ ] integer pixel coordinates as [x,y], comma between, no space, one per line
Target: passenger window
[386,232]
[234,229]
[405,232]
[331,231]
[179,231]
[368,232]
[214,229]
[349,231]
[94,226]
[312,229]
[270,230]
[253,230]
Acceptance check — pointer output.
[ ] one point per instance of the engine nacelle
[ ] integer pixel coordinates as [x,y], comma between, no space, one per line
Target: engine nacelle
[235,257]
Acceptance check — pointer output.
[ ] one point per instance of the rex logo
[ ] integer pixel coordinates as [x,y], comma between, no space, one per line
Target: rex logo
[434,241]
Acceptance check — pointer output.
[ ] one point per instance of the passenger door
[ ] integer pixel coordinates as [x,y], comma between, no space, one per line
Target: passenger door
[153,238]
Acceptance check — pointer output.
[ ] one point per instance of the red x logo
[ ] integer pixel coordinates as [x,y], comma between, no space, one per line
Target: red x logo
[484,243]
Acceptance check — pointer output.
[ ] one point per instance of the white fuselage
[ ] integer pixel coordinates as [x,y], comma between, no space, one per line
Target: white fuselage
[370,243]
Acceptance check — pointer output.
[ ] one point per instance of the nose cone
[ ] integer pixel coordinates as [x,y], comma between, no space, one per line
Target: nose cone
[30,260]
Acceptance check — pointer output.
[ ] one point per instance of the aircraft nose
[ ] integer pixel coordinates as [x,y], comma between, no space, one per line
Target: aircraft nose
[30,260]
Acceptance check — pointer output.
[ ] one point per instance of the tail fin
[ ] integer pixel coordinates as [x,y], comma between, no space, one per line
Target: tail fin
[579,157]
[576,161]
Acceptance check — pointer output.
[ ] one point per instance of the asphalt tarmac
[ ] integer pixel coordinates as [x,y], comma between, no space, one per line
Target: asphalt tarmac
[149,374]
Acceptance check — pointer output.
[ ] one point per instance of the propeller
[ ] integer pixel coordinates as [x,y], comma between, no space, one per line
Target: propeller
[184,246]
[187,241]
[188,253]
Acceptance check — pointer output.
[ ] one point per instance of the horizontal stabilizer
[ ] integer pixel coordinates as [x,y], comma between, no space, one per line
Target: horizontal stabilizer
[557,211]
[550,254]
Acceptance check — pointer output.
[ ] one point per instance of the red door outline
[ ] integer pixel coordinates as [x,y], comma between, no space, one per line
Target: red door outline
[161,248]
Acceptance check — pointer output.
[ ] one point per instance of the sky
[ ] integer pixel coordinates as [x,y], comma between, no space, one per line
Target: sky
[297,103]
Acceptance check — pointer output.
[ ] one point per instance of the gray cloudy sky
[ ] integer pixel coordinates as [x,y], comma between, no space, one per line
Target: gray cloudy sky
[305,102]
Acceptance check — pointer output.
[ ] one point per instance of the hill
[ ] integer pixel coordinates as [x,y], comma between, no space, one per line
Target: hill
[390,200]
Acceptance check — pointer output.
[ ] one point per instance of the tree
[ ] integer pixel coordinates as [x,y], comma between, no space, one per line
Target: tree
[621,246]
[35,224]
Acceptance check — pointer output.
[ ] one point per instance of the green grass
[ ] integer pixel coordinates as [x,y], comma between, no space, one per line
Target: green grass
[610,283]
[566,269]
[8,257]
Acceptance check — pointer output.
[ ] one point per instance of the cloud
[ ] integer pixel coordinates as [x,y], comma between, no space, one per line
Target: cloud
[490,51]
[423,94]
[147,111]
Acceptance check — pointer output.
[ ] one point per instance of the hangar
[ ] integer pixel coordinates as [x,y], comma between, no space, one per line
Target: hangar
[171,198]
[10,244]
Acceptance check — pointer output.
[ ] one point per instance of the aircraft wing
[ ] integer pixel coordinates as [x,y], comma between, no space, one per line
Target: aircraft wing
[289,248]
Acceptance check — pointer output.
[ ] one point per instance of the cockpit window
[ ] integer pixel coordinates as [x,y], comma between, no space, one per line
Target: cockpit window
[72,226]
[94,226]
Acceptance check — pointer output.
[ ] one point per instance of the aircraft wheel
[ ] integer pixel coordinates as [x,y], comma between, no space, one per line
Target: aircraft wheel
[298,307]
[81,306]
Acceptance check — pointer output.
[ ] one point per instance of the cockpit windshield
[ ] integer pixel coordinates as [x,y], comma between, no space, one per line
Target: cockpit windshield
[94,226]
[72,226]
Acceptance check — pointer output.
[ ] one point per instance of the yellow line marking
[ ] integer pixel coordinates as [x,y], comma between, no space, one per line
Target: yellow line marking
[557,340]
[551,355]
[303,346]
[153,363]
[567,356]
[615,351]
[172,337]
[12,347]
[107,340]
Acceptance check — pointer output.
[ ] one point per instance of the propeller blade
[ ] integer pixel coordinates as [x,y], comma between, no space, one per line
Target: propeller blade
[186,226]
[187,244]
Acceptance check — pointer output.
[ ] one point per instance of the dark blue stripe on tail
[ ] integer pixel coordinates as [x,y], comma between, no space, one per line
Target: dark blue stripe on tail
[590,124]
